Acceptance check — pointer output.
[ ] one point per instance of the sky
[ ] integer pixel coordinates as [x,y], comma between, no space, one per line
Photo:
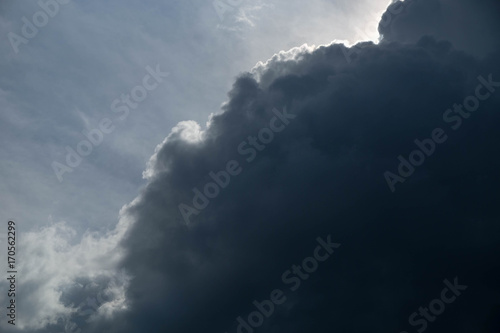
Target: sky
[237,166]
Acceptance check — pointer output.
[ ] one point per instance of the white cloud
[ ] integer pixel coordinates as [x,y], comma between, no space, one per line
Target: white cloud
[53,259]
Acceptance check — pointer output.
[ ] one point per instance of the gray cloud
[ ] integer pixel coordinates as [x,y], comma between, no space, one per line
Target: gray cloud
[476,30]
[323,175]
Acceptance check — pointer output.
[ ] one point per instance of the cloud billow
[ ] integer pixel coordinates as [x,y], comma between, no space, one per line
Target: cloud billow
[321,176]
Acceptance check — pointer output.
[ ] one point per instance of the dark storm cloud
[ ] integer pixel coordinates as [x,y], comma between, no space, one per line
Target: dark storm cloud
[471,25]
[323,175]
